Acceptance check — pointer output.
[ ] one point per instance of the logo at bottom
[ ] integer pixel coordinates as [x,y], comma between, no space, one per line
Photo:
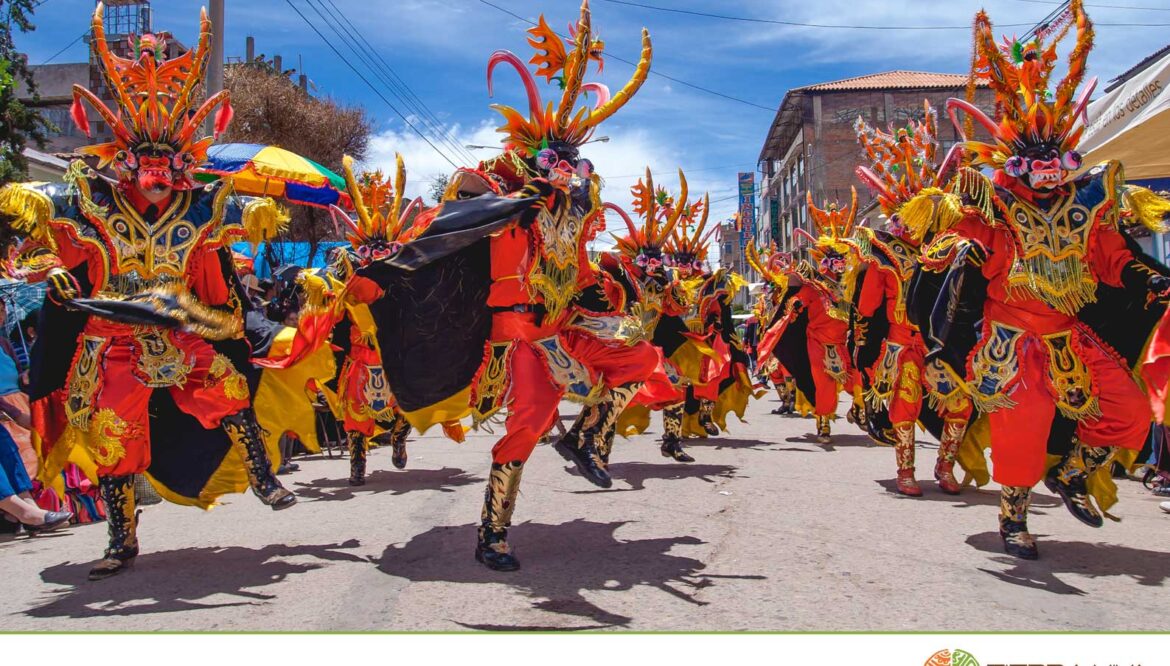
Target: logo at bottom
[952,658]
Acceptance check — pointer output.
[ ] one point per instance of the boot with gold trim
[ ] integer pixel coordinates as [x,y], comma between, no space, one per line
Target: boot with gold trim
[585,455]
[499,502]
[948,448]
[398,434]
[904,454]
[1069,479]
[824,429]
[672,418]
[244,432]
[707,417]
[357,459]
[1013,522]
[122,524]
[620,398]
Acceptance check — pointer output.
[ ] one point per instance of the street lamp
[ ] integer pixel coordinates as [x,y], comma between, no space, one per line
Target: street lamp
[476,146]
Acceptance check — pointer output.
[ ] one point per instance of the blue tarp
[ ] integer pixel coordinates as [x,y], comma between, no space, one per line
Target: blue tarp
[270,255]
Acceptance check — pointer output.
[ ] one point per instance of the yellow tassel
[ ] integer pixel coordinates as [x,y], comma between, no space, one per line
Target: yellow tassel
[931,210]
[29,209]
[1148,208]
[263,220]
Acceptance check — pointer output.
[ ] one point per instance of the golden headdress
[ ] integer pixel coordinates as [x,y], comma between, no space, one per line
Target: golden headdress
[773,266]
[155,101]
[659,216]
[381,217]
[834,225]
[902,161]
[1034,113]
[686,249]
[567,64]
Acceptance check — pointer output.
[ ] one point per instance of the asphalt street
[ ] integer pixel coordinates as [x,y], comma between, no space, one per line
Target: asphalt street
[766,531]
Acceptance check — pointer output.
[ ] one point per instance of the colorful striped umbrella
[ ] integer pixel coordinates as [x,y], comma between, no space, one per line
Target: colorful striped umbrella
[260,170]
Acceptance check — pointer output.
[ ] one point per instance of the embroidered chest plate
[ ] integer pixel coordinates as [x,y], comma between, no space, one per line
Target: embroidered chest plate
[153,249]
[554,274]
[1051,262]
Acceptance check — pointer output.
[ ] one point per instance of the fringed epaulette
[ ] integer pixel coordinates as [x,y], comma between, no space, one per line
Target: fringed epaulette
[1145,207]
[931,211]
[263,220]
[28,210]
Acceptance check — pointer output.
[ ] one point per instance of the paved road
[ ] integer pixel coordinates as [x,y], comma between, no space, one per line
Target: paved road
[767,531]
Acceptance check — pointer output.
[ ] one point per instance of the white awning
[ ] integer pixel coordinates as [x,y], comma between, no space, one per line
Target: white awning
[1132,124]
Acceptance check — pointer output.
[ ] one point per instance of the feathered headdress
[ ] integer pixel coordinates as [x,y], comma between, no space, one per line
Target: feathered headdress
[565,63]
[381,217]
[686,249]
[1033,112]
[902,161]
[155,100]
[659,216]
[834,226]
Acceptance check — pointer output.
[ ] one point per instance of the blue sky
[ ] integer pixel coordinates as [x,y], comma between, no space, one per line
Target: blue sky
[440,48]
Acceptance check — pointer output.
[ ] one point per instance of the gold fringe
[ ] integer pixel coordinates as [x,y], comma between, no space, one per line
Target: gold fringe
[264,219]
[29,209]
[922,216]
[1146,207]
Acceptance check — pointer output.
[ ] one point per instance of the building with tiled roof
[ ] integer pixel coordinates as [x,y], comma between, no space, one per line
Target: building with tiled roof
[811,145]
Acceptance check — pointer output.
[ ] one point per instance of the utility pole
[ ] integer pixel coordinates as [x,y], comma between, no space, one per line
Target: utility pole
[215,64]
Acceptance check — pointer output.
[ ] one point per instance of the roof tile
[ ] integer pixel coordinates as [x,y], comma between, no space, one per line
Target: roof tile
[900,78]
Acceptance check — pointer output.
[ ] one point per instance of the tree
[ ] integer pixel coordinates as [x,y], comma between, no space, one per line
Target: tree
[437,187]
[271,109]
[19,123]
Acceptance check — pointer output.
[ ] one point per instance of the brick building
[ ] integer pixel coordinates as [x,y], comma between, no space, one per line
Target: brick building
[812,147]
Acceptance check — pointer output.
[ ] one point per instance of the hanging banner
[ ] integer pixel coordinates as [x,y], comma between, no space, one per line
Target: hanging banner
[747,208]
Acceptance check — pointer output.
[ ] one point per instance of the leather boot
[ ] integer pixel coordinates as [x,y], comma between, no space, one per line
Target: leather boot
[357,459]
[824,430]
[620,398]
[499,502]
[584,455]
[707,417]
[1013,522]
[399,432]
[244,432]
[904,455]
[121,522]
[672,447]
[948,448]
[1069,480]
[782,394]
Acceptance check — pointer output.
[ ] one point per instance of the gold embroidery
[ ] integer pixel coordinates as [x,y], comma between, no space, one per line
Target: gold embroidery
[105,433]
[910,383]
[1070,378]
[995,367]
[884,376]
[492,381]
[834,365]
[569,373]
[160,362]
[83,383]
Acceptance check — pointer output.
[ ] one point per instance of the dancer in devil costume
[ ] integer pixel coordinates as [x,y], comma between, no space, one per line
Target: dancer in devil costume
[158,343]
[809,339]
[365,400]
[1065,298]
[504,261]
[775,268]
[886,344]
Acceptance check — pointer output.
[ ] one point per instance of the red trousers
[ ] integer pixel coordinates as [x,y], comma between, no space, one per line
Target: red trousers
[116,370]
[910,383]
[827,386]
[1019,435]
[365,394]
[533,397]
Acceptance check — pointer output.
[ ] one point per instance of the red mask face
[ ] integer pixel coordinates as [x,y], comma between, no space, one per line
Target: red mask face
[154,174]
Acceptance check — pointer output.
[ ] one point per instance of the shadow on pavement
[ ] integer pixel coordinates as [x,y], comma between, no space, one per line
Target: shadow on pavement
[560,564]
[636,474]
[175,580]
[721,442]
[968,498]
[1095,560]
[837,440]
[395,482]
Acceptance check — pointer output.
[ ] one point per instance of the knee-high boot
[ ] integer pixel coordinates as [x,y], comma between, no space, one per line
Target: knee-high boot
[904,455]
[948,448]
[122,523]
[1069,479]
[244,432]
[499,502]
[672,418]
[1013,522]
[824,429]
[579,445]
[357,459]
[620,398]
[398,435]
[707,417]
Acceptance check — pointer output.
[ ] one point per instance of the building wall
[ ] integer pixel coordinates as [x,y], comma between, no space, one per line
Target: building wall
[824,154]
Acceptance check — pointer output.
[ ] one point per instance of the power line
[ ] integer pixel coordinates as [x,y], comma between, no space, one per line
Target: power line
[1096,6]
[653,72]
[369,63]
[411,98]
[370,85]
[66,47]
